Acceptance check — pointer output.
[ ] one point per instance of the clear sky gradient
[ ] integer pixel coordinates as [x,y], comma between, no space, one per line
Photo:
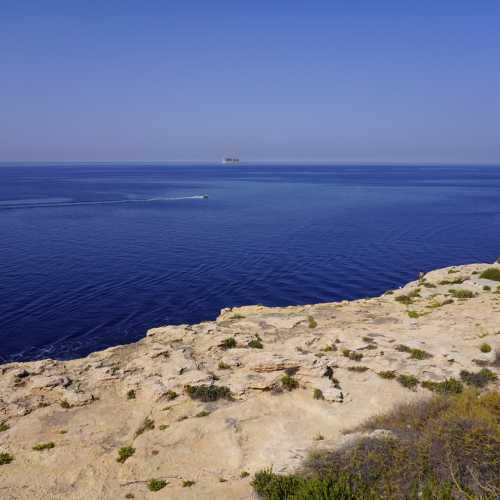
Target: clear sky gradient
[341,81]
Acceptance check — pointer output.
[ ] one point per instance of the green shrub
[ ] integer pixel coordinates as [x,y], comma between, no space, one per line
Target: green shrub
[413,314]
[148,424]
[311,322]
[43,446]
[131,394]
[203,413]
[5,458]
[187,483]
[480,379]
[156,484]
[429,285]
[4,426]
[223,366]
[228,343]
[419,354]
[359,369]
[255,344]
[244,474]
[408,381]
[289,383]
[124,453]
[442,447]
[208,393]
[462,293]
[487,288]
[448,386]
[414,353]
[388,374]
[456,281]
[64,404]
[404,299]
[272,486]
[352,355]
[491,273]
[485,348]
[171,395]
[498,260]
[318,394]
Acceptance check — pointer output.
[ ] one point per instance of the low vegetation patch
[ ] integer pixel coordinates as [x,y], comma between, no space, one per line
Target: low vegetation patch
[492,273]
[387,374]
[131,394]
[414,353]
[485,348]
[171,395]
[228,343]
[318,394]
[5,458]
[223,366]
[156,484]
[456,281]
[124,453]
[203,413]
[444,448]
[4,426]
[462,293]
[208,393]
[43,446]
[404,299]
[428,284]
[148,424]
[352,355]
[330,348]
[359,369]
[479,379]
[448,386]
[289,383]
[187,483]
[311,322]
[408,381]
[255,344]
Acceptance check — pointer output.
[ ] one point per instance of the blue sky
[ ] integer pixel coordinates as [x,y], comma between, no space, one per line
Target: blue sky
[343,81]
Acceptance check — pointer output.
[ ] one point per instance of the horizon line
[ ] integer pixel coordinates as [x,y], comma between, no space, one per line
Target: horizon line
[251,162]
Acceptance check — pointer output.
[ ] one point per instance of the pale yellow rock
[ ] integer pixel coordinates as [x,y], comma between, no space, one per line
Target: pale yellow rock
[83,405]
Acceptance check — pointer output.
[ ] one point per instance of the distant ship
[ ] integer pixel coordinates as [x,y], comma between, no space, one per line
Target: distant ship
[230,161]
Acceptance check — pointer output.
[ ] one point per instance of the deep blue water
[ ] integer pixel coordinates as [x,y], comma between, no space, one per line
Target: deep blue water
[80,277]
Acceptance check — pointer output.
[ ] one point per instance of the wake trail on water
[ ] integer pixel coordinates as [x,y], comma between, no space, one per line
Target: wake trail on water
[103,202]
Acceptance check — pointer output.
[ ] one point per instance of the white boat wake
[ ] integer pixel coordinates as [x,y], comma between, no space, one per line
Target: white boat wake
[21,205]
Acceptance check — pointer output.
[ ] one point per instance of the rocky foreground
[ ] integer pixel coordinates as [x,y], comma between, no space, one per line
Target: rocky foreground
[200,408]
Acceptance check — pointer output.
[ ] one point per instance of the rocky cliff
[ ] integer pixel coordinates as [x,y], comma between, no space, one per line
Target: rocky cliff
[200,408]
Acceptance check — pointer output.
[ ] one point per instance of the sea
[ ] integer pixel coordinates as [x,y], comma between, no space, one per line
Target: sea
[93,255]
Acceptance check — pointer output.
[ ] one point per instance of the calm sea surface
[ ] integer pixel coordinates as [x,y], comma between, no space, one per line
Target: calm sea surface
[93,255]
